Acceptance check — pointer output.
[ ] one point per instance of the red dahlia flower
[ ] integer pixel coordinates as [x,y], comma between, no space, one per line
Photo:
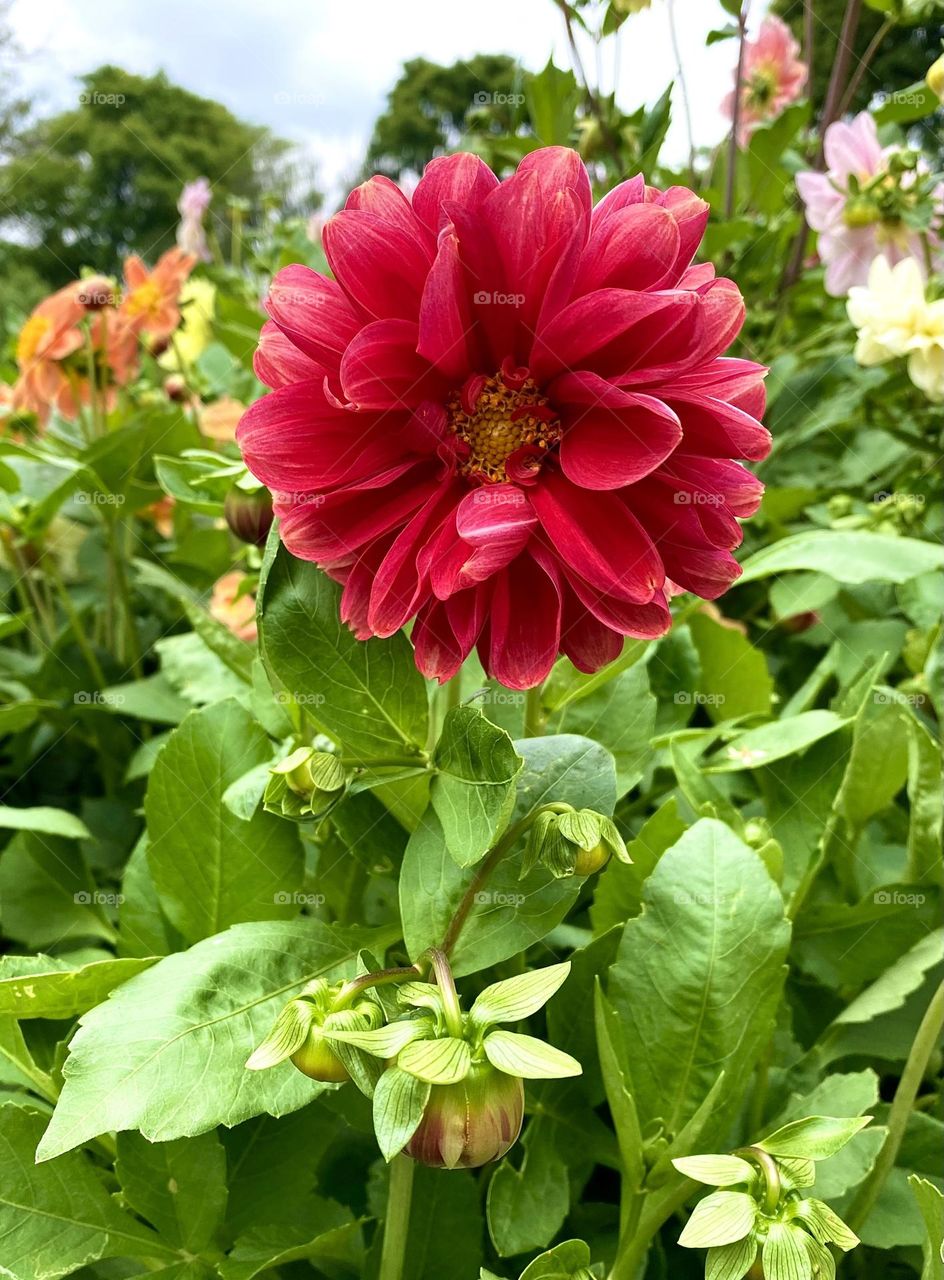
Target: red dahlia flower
[508,417]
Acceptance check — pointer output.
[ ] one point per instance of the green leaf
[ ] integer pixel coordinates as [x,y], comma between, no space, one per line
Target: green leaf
[931,1203]
[786,1255]
[325,1235]
[212,869]
[734,677]
[43,987]
[179,1187]
[731,1261]
[825,1225]
[526,1207]
[724,1217]
[622,1108]
[717,1171]
[698,977]
[813,1138]
[446,1227]
[384,1042]
[759,747]
[621,716]
[896,984]
[850,558]
[368,695]
[56,1218]
[528,1058]
[563,1262]
[519,997]
[443,1061]
[142,1059]
[399,1102]
[904,106]
[618,893]
[47,893]
[50,822]
[474,789]
[510,913]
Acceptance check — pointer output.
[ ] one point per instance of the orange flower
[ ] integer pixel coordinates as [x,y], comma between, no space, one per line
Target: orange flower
[235,611]
[48,337]
[150,304]
[160,514]
[218,421]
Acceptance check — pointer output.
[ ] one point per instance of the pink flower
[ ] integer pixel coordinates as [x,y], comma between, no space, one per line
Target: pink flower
[193,204]
[195,199]
[508,417]
[772,76]
[852,212]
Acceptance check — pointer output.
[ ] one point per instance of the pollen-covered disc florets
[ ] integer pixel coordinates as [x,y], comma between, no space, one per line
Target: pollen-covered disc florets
[500,423]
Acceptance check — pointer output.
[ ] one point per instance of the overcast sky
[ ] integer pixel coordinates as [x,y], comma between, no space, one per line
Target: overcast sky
[318,71]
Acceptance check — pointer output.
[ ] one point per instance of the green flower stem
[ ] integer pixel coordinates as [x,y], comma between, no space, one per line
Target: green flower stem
[534,713]
[75,622]
[383,977]
[397,1221]
[922,1047]
[420,759]
[447,988]
[487,866]
[658,1208]
[768,1167]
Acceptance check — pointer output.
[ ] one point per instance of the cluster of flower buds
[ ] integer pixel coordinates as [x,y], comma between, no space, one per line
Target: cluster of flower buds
[447,1086]
[762,1206]
[305,785]
[572,842]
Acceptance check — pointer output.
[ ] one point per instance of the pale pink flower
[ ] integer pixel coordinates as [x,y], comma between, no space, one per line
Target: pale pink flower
[772,76]
[851,235]
[193,204]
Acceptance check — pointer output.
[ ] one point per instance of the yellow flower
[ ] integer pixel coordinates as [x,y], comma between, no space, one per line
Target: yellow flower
[197,304]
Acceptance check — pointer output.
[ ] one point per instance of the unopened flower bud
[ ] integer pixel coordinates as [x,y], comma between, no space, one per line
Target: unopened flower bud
[860,212]
[577,842]
[175,388]
[935,77]
[95,293]
[249,514]
[298,1034]
[305,784]
[471,1123]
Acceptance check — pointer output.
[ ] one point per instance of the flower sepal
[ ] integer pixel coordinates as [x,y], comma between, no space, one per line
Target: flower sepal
[577,842]
[305,785]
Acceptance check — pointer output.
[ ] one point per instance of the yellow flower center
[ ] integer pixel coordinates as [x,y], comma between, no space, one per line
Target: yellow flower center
[143,300]
[502,420]
[31,335]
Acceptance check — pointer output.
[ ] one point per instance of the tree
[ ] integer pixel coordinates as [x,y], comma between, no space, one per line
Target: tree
[431,106]
[88,186]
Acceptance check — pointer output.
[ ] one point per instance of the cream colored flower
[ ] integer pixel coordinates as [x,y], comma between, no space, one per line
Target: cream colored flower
[887,310]
[926,358]
[935,77]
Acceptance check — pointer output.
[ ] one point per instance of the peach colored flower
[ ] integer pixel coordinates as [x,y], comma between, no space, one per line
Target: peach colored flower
[151,303]
[49,336]
[772,76]
[218,421]
[236,611]
[160,514]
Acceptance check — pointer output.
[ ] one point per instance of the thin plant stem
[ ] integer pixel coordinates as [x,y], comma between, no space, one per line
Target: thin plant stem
[592,97]
[837,81]
[75,622]
[730,186]
[133,653]
[683,89]
[923,1045]
[533,713]
[809,28]
[397,1220]
[864,63]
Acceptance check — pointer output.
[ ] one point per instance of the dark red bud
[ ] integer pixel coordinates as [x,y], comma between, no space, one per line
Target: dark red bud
[249,515]
[471,1123]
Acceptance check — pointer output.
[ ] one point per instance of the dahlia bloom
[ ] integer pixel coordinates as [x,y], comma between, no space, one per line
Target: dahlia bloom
[508,417]
[893,319]
[772,77]
[151,301]
[856,205]
[50,335]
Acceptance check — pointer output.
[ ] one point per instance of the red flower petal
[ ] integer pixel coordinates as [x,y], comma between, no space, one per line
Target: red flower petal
[278,362]
[523,643]
[313,312]
[611,437]
[595,534]
[447,337]
[378,264]
[636,248]
[381,369]
[464,180]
